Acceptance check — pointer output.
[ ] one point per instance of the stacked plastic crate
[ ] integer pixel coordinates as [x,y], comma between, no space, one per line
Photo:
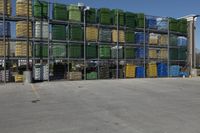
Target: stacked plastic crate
[60,12]
[74,32]
[74,13]
[41,50]
[3,48]
[75,50]
[105,35]
[115,36]
[182,51]
[58,32]
[117,50]
[8,7]
[21,49]
[151,70]
[91,16]
[104,51]
[22,6]
[129,52]
[91,34]
[118,14]
[174,70]
[162,70]
[91,51]
[41,29]
[58,50]
[130,71]
[130,19]
[5,75]
[104,16]
[140,72]
[40,9]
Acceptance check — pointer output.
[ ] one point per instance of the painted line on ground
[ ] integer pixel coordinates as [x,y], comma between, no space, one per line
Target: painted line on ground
[34,89]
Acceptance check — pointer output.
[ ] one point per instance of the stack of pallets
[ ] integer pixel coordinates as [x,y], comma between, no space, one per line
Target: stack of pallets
[74,76]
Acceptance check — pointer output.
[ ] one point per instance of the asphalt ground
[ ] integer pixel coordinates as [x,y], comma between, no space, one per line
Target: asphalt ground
[102,106]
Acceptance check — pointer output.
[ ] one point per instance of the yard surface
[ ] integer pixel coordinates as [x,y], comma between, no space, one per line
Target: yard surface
[103,106]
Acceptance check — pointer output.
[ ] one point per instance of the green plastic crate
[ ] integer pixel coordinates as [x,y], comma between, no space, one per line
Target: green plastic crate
[173,40]
[182,26]
[59,50]
[140,20]
[120,13]
[129,53]
[104,52]
[104,16]
[74,13]
[58,32]
[173,24]
[113,73]
[129,37]
[173,54]
[91,16]
[91,75]
[74,33]
[60,12]
[75,51]
[114,52]
[182,53]
[91,51]
[41,50]
[130,19]
[40,9]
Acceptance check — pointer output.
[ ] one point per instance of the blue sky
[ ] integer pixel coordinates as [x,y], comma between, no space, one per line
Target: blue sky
[167,8]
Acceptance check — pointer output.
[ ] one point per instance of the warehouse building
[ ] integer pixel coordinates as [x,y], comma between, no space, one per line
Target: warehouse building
[54,41]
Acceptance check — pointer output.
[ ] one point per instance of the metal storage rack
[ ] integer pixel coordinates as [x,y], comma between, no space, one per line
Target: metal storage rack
[49,60]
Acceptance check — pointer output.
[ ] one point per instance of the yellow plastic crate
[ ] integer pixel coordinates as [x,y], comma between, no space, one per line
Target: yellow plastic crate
[21,8]
[21,29]
[153,39]
[91,33]
[152,70]
[130,71]
[163,40]
[153,53]
[121,36]
[8,7]
[18,78]
[2,48]
[21,49]
[163,54]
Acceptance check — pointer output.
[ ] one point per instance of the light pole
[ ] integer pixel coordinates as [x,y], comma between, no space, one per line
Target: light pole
[193,41]
[27,54]
[84,8]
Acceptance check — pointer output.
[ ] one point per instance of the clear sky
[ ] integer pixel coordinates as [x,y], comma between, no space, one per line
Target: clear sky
[168,8]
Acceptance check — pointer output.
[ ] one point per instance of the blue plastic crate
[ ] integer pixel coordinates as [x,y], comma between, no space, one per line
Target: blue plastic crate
[140,72]
[174,71]
[7,29]
[139,53]
[186,74]
[162,24]
[151,22]
[162,70]
[139,38]
[182,41]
